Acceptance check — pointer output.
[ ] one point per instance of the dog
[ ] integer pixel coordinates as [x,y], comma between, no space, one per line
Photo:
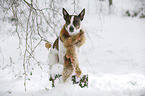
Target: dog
[65,48]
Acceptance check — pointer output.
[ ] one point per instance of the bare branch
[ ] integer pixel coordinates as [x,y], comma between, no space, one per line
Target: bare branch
[26,46]
[2,56]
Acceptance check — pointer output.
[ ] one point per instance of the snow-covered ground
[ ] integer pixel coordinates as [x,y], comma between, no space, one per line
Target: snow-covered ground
[113,56]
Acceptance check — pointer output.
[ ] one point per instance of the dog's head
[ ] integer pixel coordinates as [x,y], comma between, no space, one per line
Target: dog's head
[73,22]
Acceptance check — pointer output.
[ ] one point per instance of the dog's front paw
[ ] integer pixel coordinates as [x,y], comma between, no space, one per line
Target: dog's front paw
[79,36]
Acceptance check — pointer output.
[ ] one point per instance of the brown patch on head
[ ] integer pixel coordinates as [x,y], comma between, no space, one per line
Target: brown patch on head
[76,22]
[68,20]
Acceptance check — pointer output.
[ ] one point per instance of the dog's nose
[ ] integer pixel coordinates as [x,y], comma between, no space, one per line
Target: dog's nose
[71,29]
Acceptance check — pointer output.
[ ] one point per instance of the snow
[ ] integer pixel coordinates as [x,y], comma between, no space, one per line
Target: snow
[113,57]
[56,69]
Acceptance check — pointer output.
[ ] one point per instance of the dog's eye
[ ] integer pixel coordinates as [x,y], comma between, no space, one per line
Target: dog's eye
[67,22]
[76,22]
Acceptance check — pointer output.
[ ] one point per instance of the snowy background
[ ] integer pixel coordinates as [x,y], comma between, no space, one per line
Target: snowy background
[113,56]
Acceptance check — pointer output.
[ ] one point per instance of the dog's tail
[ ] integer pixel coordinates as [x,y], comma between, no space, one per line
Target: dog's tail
[47,45]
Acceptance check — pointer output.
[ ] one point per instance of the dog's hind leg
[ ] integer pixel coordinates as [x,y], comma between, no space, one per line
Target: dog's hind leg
[68,69]
[53,58]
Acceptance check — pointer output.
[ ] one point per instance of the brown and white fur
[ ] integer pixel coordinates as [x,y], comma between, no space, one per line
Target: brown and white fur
[65,47]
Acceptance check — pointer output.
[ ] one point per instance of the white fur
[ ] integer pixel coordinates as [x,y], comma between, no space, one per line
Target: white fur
[55,55]
[53,58]
[76,31]
[62,52]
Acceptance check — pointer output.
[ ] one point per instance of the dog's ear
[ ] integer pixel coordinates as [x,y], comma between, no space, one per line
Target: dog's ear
[81,15]
[65,13]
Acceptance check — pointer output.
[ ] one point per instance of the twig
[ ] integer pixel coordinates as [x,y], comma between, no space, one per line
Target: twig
[74,3]
[26,45]
[36,9]
[34,59]
[2,56]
